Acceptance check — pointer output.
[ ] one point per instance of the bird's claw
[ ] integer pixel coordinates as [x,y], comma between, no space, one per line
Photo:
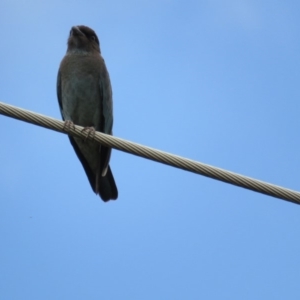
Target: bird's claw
[68,125]
[90,132]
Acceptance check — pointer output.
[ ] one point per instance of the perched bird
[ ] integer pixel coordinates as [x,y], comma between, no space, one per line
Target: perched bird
[85,98]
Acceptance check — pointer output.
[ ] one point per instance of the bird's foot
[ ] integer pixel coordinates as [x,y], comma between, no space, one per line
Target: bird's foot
[90,132]
[68,125]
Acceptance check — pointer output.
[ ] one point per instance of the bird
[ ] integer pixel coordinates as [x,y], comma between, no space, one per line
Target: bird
[84,95]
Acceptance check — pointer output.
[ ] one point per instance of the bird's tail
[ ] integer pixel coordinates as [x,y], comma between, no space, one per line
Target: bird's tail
[106,186]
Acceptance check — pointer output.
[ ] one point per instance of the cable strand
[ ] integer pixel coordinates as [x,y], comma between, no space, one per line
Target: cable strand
[153,154]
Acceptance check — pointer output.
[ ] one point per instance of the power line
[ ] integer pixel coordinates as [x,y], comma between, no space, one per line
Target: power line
[153,154]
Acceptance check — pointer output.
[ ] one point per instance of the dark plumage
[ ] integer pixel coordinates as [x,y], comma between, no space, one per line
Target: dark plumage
[85,98]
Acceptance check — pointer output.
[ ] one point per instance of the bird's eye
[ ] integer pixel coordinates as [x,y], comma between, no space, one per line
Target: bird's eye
[93,38]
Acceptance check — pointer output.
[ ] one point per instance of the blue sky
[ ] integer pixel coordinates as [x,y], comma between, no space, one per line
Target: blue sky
[215,81]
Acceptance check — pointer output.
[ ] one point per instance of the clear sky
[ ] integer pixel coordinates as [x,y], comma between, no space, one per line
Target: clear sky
[215,81]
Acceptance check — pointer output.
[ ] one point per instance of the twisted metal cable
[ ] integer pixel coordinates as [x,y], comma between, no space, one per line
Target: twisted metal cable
[153,154]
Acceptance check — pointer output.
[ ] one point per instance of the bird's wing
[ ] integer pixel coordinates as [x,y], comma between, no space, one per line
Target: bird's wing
[91,176]
[106,121]
[107,104]
[58,91]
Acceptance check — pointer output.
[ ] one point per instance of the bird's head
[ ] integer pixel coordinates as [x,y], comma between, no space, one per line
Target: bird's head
[83,39]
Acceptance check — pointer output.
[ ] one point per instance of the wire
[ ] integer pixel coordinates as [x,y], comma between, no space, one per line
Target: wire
[153,154]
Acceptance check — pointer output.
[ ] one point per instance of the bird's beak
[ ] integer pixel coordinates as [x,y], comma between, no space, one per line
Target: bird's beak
[75,31]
